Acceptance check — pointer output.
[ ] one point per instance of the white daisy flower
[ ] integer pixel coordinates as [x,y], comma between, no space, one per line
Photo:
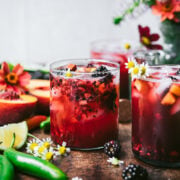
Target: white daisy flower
[130,64]
[144,70]
[135,73]
[31,145]
[48,154]
[68,73]
[39,150]
[46,142]
[76,178]
[63,150]
[114,161]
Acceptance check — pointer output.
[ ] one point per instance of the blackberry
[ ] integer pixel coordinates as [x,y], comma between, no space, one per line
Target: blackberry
[112,149]
[134,172]
[100,72]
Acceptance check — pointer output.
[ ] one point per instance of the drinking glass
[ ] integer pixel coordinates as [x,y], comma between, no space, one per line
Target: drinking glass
[84,102]
[156,116]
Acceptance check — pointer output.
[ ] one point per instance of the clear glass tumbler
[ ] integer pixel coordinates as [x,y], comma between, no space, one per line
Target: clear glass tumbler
[84,102]
[156,116]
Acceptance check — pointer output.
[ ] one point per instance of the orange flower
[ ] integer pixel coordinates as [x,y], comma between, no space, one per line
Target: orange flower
[14,80]
[167,9]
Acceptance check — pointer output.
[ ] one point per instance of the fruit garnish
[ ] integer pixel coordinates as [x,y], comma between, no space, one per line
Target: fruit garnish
[175,89]
[176,107]
[100,72]
[141,86]
[112,149]
[72,67]
[168,99]
[6,135]
[133,171]
[9,95]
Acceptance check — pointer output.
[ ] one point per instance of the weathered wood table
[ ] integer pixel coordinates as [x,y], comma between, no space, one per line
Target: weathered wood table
[93,165]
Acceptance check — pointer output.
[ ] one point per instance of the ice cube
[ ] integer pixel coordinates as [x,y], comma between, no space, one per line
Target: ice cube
[176,107]
[163,85]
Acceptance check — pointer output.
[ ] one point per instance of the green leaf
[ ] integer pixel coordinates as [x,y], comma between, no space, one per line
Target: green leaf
[117,20]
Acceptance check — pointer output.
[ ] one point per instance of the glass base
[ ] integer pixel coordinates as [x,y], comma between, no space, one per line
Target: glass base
[87,149]
[162,164]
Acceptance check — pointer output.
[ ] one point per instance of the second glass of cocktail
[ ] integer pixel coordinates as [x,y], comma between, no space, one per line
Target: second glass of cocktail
[84,102]
[156,116]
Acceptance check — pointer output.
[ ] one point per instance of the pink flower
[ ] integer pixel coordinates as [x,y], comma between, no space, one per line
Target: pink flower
[15,80]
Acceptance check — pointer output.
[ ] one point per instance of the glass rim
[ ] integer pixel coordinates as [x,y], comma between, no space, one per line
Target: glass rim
[53,69]
[163,69]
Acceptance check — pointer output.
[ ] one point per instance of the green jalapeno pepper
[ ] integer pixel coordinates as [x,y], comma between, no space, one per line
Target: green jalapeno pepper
[6,169]
[45,125]
[34,166]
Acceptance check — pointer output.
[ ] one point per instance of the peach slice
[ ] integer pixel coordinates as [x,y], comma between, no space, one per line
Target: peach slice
[141,86]
[40,89]
[13,111]
[175,89]
[168,99]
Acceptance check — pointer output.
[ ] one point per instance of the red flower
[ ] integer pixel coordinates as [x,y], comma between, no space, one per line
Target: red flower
[15,80]
[167,9]
[146,38]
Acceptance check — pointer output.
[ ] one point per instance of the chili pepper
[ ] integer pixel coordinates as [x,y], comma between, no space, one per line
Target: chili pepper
[34,166]
[6,169]
[45,125]
[35,121]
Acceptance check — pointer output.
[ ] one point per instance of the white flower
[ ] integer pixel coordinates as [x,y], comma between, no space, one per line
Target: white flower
[76,178]
[130,64]
[46,142]
[135,72]
[114,161]
[31,145]
[48,154]
[39,150]
[68,73]
[144,70]
[63,150]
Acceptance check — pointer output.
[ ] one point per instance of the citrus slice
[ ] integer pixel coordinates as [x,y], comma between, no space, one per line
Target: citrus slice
[6,135]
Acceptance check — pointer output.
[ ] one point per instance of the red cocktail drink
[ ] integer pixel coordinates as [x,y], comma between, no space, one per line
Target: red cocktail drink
[156,116]
[84,102]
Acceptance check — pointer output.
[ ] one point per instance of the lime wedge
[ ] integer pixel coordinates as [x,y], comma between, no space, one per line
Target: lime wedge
[6,135]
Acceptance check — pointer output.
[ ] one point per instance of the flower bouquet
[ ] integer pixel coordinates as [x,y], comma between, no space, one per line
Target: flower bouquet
[169,10]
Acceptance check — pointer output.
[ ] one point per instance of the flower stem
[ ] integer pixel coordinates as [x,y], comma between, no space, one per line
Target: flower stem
[30,135]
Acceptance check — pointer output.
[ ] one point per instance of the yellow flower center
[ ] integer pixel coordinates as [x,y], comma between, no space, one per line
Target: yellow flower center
[46,145]
[135,71]
[131,64]
[146,40]
[143,70]
[11,78]
[32,146]
[41,149]
[62,150]
[68,73]
[49,156]
[127,46]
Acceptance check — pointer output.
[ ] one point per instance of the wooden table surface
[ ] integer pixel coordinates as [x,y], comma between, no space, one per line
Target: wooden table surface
[93,165]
